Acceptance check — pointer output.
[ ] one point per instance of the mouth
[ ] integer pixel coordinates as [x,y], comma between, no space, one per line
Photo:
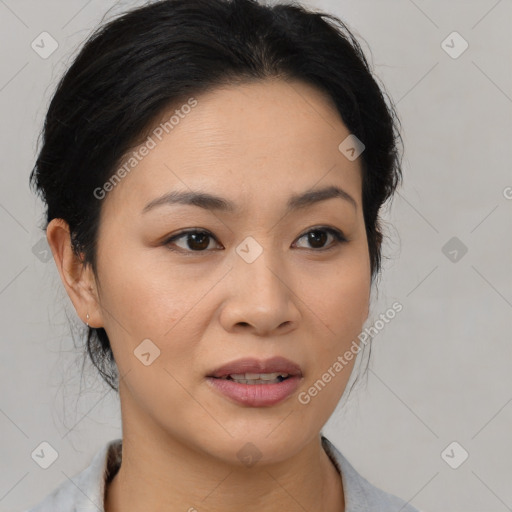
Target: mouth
[256,378]
[257,383]
[251,369]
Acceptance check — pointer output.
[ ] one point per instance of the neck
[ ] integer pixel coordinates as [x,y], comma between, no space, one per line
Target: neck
[173,477]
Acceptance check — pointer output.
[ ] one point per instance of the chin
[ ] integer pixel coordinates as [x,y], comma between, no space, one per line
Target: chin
[260,444]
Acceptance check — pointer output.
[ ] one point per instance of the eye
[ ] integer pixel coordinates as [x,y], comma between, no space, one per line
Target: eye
[196,240]
[317,237]
[199,240]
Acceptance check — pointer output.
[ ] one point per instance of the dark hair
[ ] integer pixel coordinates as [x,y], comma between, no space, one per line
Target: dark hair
[134,68]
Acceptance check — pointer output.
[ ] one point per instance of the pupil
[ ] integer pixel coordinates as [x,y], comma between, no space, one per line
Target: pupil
[194,237]
[313,238]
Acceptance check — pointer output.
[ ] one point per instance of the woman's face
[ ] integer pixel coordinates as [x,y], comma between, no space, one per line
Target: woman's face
[255,285]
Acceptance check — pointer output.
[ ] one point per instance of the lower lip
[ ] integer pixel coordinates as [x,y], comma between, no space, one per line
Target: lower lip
[256,395]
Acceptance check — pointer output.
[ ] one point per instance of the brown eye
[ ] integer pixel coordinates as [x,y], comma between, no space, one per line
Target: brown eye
[317,237]
[195,240]
[199,240]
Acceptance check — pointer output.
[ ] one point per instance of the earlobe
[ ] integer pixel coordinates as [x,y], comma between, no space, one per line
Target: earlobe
[77,278]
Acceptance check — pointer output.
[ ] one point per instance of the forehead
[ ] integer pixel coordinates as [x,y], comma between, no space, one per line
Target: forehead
[261,141]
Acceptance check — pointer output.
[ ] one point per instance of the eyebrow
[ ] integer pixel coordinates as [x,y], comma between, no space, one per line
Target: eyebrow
[213,202]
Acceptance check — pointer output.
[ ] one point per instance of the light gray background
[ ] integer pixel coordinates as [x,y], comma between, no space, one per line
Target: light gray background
[440,370]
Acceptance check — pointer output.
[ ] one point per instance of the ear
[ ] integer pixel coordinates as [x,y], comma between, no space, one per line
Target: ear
[78,279]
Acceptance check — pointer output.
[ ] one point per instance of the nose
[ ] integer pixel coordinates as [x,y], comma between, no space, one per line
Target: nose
[261,297]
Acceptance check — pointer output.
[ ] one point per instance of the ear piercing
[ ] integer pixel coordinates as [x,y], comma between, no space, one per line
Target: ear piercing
[87,317]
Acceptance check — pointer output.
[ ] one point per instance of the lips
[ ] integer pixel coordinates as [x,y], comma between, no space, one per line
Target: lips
[252,365]
[242,382]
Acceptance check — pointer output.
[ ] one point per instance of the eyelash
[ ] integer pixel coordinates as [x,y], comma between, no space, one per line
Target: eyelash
[338,236]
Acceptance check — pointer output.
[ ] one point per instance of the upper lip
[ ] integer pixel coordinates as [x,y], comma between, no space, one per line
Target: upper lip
[253,365]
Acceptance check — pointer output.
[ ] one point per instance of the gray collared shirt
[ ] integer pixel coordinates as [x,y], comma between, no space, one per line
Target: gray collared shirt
[86,492]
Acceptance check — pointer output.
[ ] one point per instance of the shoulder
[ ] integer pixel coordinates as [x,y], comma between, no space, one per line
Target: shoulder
[360,494]
[85,491]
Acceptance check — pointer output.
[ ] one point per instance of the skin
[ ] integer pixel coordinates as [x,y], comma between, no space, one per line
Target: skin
[254,144]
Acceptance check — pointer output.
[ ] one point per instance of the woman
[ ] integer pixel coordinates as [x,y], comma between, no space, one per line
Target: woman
[213,172]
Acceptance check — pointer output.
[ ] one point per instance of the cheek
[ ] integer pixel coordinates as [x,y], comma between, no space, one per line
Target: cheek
[340,306]
[348,303]
[339,298]
[135,290]
[342,310]
[142,298]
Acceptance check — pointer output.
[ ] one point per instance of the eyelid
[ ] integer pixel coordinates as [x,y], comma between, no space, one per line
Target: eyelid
[183,233]
[323,227]
[337,234]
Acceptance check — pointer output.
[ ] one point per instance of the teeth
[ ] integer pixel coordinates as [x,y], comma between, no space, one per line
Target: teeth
[257,378]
